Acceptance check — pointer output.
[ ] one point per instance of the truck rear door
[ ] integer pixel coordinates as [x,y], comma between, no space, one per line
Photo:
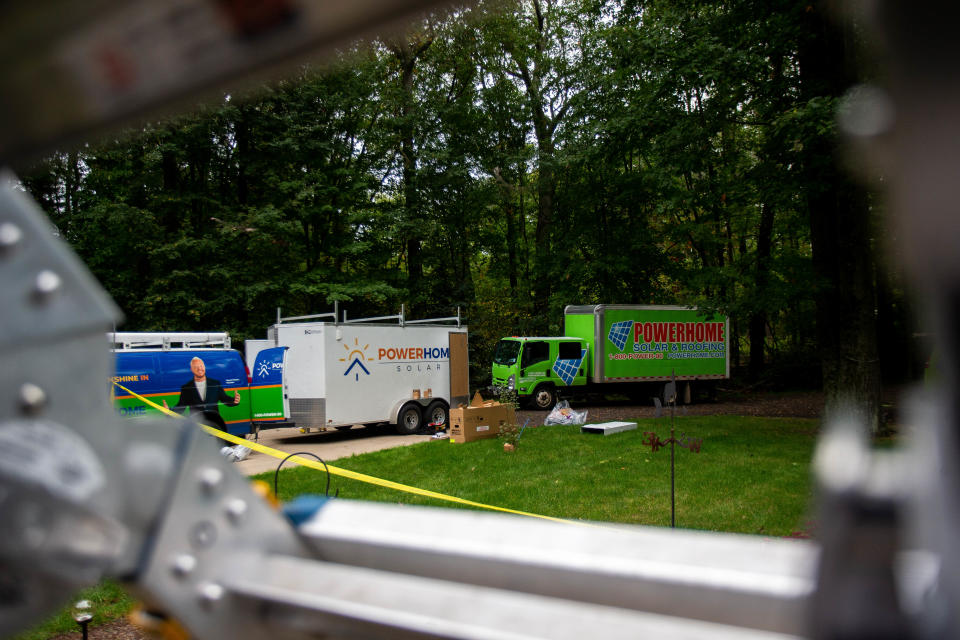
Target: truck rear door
[459,369]
[268,392]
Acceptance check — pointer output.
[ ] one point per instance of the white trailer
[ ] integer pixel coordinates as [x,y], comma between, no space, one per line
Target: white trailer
[387,369]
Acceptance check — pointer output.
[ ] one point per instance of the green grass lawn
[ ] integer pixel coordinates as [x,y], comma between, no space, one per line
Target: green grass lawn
[752,476]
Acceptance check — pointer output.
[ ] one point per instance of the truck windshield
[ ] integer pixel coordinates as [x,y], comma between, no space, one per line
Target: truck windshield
[506,352]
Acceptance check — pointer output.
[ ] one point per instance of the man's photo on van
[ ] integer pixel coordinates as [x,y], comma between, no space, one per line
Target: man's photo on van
[202,395]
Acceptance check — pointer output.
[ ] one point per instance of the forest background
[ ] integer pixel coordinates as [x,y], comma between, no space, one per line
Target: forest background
[509,159]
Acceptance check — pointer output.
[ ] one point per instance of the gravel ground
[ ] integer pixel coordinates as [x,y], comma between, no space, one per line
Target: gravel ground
[791,405]
[787,404]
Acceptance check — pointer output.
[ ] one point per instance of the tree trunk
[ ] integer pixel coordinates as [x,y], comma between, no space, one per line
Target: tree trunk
[511,245]
[407,53]
[758,320]
[846,324]
[546,188]
[243,153]
[171,187]
[411,192]
[840,234]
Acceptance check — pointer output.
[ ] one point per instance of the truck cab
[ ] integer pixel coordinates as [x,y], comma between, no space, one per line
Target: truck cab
[538,368]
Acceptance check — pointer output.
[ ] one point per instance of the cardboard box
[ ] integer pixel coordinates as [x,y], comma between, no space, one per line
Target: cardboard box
[481,419]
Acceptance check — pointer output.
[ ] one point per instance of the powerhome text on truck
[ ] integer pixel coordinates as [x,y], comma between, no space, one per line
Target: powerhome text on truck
[616,348]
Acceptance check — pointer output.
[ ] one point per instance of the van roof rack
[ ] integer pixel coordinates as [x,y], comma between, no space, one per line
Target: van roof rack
[168,340]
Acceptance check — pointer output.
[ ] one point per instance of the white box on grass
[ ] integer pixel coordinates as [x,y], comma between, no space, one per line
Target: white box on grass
[606,428]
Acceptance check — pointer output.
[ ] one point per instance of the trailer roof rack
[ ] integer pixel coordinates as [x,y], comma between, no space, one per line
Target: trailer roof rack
[168,340]
[400,317]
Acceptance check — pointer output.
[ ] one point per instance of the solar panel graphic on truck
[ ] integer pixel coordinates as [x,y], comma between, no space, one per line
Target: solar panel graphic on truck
[567,369]
[619,332]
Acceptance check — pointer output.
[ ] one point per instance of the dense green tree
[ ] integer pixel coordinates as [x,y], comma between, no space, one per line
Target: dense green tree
[541,42]
[509,158]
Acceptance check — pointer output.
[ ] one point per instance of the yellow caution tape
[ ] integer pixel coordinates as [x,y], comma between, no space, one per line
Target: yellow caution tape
[157,625]
[345,473]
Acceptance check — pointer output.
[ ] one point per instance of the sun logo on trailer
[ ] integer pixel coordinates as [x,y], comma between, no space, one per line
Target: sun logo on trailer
[356,358]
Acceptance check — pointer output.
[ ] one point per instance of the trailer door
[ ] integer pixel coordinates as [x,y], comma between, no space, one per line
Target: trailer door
[459,369]
[268,392]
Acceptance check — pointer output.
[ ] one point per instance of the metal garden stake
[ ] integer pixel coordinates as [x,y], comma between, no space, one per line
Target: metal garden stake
[654,441]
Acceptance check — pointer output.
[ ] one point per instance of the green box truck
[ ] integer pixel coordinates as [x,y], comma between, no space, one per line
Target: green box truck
[616,349]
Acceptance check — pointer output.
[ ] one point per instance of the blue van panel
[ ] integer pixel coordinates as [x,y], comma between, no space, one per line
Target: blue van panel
[159,375]
[137,372]
[225,366]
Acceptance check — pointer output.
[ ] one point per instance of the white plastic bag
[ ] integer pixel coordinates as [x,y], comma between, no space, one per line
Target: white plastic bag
[235,453]
[563,414]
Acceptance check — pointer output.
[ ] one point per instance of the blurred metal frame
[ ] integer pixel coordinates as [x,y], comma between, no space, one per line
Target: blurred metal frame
[73,69]
[84,495]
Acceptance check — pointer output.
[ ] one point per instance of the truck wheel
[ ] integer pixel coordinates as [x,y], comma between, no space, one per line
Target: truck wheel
[410,419]
[544,396]
[437,415]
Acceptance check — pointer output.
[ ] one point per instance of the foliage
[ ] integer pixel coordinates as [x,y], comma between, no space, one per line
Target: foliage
[509,434]
[507,396]
[509,158]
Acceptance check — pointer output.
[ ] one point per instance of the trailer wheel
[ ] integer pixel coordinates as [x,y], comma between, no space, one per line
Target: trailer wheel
[410,419]
[544,396]
[437,415]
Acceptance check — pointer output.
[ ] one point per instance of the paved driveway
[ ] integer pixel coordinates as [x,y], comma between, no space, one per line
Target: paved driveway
[329,445]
